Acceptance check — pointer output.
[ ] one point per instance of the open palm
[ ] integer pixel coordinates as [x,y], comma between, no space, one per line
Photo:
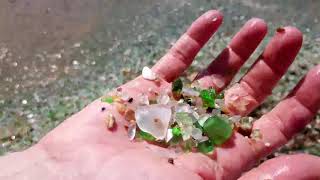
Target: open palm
[83,148]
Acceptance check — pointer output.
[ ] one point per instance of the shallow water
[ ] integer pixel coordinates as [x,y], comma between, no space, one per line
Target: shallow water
[56,56]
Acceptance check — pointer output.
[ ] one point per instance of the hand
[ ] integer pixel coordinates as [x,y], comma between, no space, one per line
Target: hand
[83,148]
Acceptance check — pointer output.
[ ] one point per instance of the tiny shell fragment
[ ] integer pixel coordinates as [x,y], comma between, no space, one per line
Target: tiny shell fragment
[121,108]
[110,121]
[148,74]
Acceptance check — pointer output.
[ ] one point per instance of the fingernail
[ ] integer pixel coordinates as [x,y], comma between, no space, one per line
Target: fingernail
[214,19]
[253,21]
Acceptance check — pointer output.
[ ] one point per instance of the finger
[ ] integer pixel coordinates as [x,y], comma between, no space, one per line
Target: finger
[181,55]
[221,71]
[294,167]
[258,83]
[290,116]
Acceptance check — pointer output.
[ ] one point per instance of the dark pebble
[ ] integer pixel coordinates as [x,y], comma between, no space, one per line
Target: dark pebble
[281,30]
[171,161]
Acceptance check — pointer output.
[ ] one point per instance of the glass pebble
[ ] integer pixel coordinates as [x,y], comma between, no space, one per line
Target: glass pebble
[154,119]
[217,129]
[177,86]
[235,119]
[176,131]
[190,92]
[169,135]
[205,147]
[146,136]
[196,133]
[203,119]
[208,97]
[183,108]
[132,129]
[144,99]
[163,99]
[107,99]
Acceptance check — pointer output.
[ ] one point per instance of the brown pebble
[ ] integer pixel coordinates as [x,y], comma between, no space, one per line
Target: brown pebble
[110,121]
[117,99]
[171,160]
[129,115]
[176,95]
[281,30]
[244,129]
[121,108]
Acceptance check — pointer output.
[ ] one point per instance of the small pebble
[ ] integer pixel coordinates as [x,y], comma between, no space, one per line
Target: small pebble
[129,115]
[24,102]
[235,119]
[144,99]
[132,129]
[169,135]
[196,133]
[110,121]
[256,134]
[154,119]
[280,30]
[163,99]
[190,92]
[148,74]
[121,108]
[171,160]
[125,97]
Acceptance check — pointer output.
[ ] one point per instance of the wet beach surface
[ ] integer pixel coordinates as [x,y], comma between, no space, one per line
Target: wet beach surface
[57,56]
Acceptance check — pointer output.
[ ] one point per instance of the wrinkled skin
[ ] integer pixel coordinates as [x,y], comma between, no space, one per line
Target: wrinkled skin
[83,148]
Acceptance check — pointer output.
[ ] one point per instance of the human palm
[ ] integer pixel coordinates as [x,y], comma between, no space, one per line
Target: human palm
[83,148]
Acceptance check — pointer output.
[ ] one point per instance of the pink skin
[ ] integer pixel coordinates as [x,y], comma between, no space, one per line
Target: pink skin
[83,148]
[287,167]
